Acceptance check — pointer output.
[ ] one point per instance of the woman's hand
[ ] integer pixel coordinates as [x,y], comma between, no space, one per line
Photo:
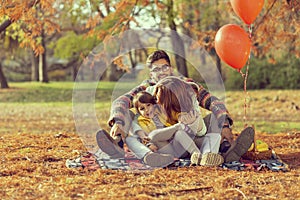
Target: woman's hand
[188,117]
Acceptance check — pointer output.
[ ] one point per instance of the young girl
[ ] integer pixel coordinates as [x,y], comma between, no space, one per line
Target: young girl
[149,117]
[178,100]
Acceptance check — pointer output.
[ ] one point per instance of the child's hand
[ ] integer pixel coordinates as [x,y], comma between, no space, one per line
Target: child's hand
[145,140]
[153,147]
[141,134]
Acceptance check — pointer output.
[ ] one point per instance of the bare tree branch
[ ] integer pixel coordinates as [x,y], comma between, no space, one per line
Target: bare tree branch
[8,22]
[4,25]
[260,22]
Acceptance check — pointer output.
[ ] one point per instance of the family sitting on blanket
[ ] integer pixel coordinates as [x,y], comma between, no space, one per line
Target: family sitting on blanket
[186,134]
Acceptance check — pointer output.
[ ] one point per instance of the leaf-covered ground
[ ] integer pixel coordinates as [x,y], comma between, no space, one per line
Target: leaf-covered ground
[37,139]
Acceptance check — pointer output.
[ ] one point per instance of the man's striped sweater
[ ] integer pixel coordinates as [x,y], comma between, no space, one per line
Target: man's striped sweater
[207,101]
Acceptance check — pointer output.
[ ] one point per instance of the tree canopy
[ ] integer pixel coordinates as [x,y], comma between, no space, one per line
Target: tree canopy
[277,24]
[275,30]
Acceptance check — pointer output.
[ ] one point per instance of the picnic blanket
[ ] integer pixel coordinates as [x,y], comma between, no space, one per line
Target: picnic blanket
[100,160]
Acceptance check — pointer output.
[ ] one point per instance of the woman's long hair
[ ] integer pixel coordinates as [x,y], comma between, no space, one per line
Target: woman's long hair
[174,95]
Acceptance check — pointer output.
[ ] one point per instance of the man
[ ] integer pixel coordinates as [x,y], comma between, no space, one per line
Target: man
[120,119]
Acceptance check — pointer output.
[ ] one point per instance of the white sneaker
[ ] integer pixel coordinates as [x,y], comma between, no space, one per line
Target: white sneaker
[211,159]
[196,158]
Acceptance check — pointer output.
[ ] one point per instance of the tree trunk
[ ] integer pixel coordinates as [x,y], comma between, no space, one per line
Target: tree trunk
[177,43]
[219,66]
[3,80]
[43,74]
[75,71]
[178,46]
[115,73]
[34,67]
[217,25]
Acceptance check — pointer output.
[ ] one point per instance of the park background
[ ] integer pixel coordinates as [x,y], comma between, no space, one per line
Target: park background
[44,43]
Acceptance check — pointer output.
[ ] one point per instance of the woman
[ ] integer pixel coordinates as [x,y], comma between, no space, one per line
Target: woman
[178,101]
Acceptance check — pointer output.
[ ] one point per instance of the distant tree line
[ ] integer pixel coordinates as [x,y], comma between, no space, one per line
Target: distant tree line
[48,40]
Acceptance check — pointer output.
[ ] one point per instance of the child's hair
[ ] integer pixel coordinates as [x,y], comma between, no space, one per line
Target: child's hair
[143,97]
[175,96]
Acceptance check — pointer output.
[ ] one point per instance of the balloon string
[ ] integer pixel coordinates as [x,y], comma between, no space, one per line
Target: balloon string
[245,77]
[250,31]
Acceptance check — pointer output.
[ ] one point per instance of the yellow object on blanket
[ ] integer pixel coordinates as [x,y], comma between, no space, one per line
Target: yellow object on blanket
[261,151]
[260,146]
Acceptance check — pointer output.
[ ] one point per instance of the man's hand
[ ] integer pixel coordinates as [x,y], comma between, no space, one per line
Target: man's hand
[227,134]
[117,130]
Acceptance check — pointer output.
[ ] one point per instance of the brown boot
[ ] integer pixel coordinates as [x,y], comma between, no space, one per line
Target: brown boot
[108,145]
[240,145]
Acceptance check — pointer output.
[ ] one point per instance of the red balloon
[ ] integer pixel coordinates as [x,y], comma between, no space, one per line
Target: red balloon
[233,45]
[247,10]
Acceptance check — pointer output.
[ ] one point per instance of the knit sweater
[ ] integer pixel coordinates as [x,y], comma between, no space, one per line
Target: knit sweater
[122,104]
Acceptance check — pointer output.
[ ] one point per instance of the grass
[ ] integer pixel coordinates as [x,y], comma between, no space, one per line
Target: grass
[42,108]
[55,93]
[270,127]
[59,91]
[58,96]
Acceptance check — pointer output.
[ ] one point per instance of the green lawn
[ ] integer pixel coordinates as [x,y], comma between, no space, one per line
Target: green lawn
[33,101]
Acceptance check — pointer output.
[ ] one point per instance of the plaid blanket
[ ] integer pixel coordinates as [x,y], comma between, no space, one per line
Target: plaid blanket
[100,160]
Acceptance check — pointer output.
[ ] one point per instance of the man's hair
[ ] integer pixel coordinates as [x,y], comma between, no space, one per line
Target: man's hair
[155,56]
